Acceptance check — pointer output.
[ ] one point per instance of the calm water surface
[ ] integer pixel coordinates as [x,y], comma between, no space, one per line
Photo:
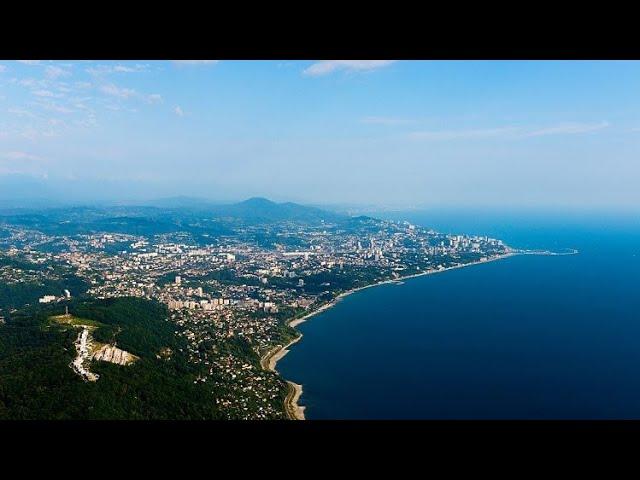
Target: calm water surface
[526,337]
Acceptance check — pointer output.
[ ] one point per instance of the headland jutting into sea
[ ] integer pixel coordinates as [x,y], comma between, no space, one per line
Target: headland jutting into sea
[269,361]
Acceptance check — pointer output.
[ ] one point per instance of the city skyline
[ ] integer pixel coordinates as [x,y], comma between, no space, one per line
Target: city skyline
[403,133]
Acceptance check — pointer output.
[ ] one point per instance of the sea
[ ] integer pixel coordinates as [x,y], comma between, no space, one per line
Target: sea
[527,337]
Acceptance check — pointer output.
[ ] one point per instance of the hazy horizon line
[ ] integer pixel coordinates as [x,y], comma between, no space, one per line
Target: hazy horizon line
[44,203]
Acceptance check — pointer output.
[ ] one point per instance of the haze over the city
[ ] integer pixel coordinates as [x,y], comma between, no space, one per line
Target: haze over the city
[403,133]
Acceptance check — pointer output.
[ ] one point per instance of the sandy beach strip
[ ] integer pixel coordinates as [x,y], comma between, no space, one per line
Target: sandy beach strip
[294,410]
[269,360]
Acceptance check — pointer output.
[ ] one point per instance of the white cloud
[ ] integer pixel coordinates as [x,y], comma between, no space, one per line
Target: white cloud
[30,62]
[568,129]
[179,111]
[99,70]
[80,102]
[21,112]
[127,93]
[54,107]
[22,156]
[115,91]
[89,121]
[138,67]
[507,132]
[195,62]
[31,83]
[438,135]
[54,72]
[46,93]
[109,69]
[3,68]
[325,67]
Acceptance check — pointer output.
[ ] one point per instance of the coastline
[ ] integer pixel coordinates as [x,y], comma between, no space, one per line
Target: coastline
[271,358]
[297,321]
[268,362]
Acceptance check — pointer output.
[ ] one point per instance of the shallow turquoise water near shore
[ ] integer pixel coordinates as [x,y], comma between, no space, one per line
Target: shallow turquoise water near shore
[525,337]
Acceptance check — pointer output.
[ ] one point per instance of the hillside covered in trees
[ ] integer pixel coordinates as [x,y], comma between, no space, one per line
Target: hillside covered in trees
[37,383]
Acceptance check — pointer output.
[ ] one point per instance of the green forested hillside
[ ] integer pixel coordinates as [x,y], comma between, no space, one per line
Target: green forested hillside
[37,383]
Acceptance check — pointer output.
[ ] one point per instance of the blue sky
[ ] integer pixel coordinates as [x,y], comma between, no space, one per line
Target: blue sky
[403,133]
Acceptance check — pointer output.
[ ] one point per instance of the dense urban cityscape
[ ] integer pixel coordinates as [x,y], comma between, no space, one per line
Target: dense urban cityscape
[229,297]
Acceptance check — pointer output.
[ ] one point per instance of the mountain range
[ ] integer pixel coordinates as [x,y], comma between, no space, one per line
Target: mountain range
[197,216]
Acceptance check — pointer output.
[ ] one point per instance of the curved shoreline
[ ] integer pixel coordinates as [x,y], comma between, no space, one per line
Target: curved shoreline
[268,362]
[271,358]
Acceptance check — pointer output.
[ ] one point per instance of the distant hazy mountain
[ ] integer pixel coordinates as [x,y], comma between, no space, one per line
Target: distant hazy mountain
[255,209]
[100,198]
[261,209]
[178,214]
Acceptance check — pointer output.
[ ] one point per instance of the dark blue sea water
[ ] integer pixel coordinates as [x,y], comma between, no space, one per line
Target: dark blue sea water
[529,337]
